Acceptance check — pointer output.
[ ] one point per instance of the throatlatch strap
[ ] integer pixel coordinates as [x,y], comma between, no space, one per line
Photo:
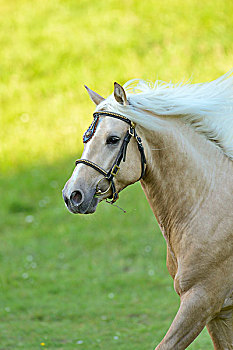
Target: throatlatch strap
[143,157]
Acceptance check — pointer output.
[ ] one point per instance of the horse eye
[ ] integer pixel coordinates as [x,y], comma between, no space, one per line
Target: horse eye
[112,140]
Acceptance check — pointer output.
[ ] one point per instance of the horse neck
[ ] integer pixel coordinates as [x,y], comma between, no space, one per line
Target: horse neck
[181,172]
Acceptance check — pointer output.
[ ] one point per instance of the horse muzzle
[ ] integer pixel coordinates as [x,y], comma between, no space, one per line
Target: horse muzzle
[79,202]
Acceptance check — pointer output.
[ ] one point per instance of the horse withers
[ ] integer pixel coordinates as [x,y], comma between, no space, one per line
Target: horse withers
[178,141]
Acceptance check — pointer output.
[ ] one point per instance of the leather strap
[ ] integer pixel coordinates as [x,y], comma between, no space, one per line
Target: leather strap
[92,165]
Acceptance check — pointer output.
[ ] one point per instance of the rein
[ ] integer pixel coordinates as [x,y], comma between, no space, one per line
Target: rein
[109,175]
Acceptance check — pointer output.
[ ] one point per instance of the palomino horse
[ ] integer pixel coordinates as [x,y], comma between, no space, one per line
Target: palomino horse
[178,140]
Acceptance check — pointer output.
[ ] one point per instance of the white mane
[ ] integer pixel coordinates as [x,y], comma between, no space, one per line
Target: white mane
[208,107]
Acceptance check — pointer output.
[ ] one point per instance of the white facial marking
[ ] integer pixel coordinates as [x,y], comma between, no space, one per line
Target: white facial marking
[78,167]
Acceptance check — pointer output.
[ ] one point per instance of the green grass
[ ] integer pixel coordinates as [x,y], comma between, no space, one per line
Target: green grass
[99,279]
[66,278]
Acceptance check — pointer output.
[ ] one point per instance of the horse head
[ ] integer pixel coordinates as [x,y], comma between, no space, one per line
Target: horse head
[113,157]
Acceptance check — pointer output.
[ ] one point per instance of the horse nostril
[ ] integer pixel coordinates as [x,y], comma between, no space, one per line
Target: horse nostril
[76,197]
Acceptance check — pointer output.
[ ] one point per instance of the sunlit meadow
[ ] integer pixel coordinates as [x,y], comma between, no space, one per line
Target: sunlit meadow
[95,282]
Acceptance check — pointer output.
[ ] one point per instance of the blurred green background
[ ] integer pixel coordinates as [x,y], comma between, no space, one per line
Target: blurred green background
[100,281]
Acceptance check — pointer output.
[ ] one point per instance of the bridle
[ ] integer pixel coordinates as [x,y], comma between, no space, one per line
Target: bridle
[113,171]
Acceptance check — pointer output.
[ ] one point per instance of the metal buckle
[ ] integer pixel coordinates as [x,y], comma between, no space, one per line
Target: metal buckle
[131,131]
[139,140]
[115,196]
[113,173]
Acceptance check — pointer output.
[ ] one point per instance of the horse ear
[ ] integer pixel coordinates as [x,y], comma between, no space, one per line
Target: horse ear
[96,98]
[119,94]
